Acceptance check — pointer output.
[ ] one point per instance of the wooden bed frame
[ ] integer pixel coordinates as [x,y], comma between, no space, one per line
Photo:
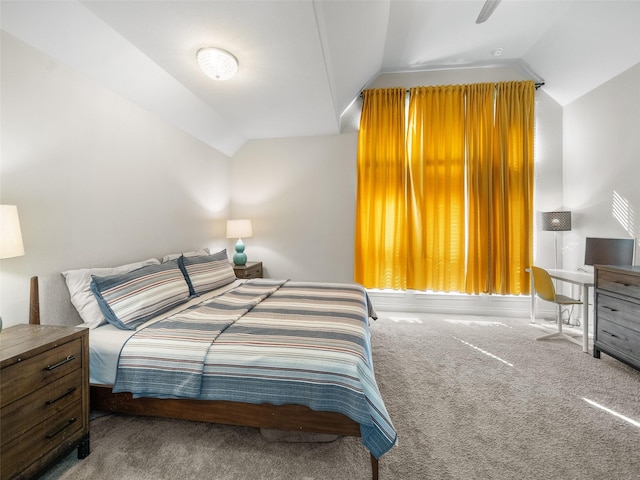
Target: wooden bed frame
[297,418]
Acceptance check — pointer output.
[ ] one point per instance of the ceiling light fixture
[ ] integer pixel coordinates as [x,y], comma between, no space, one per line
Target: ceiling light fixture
[216,63]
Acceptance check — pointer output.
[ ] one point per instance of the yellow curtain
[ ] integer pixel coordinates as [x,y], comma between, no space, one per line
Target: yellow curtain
[453,211]
[380,233]
[479,143]
[511,211]
[436,208]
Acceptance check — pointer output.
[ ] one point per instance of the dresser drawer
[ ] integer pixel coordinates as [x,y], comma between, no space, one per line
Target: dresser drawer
[622,339]
[36,372]
[37,442]
[616,310]
[20,416]
[623,284]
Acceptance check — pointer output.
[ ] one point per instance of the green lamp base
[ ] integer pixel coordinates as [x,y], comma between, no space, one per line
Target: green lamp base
[240,258]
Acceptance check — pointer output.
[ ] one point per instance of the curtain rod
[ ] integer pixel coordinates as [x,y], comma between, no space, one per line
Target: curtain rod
[537,85]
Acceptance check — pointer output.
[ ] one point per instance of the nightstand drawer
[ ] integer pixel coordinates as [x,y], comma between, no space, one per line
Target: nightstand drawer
[250,270]
[42,439]
[255,272]
[36,372]
[18,417]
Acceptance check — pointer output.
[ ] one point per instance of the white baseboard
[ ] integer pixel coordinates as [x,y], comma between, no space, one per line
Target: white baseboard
[426,302]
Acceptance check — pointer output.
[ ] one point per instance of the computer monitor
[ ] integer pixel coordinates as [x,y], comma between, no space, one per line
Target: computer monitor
[609,251]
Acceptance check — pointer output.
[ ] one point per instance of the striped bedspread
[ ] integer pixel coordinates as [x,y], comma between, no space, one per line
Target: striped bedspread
[266,341]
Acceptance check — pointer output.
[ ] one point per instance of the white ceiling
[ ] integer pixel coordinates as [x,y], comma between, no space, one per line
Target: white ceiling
[303,62]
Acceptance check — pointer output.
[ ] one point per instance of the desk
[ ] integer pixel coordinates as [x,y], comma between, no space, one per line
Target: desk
[583,279]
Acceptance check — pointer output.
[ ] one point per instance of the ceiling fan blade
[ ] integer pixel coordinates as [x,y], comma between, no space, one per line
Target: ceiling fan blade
[487,9]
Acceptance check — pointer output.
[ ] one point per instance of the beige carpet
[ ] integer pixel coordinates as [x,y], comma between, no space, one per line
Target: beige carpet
[471,398]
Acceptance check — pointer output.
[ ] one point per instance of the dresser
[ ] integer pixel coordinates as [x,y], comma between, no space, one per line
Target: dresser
[250,270]
[44,397]
[617,313]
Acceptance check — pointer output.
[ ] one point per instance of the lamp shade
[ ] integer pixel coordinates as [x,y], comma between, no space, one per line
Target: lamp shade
[556,221]
[239,229]
[216,63]
[10,234]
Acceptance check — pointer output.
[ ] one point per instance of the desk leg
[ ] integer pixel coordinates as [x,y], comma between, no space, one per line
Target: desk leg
[585,319]
[533,301]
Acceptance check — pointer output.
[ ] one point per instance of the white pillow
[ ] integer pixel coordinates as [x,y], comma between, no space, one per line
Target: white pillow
[173,256]
[79,285]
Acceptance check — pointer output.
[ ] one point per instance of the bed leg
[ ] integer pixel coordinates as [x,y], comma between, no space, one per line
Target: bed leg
[374,468]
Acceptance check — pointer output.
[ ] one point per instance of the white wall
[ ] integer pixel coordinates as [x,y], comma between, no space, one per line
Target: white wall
[548,177]
[300,195]
[98,181]
[602,164]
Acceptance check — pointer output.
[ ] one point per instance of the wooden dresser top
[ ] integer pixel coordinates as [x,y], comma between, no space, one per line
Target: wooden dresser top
[635,270]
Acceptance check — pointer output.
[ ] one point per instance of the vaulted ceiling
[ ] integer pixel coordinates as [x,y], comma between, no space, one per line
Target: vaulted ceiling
[303,62]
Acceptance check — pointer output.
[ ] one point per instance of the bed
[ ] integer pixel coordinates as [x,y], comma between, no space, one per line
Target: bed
[278,355]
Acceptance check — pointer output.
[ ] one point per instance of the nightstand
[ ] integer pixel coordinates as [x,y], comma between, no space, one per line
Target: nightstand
[44,397]
[250,270]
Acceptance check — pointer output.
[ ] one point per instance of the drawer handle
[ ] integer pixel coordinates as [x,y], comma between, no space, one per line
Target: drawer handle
[624,284]
[70,422]
[65,394]
[609,308]
[59,364]
[610,334]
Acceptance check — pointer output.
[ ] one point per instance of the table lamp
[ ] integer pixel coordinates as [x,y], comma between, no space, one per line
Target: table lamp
[239,229]
[10,235]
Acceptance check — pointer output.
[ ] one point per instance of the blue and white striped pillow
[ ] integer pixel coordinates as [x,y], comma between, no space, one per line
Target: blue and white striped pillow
[207,272]
[130,299]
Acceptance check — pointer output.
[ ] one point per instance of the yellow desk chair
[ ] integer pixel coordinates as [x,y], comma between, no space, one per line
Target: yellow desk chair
[545,290]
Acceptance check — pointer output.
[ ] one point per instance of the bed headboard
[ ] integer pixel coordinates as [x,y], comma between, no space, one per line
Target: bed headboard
[50,302]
